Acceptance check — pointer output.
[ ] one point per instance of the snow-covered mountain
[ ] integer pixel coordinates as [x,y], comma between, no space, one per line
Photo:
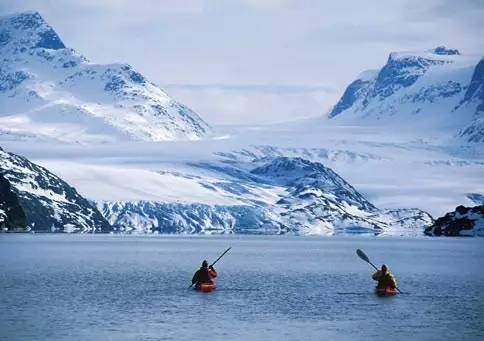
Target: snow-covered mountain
[49,203]
[238,194]
[464,221]
[269,196]
[51,92]
[438,90]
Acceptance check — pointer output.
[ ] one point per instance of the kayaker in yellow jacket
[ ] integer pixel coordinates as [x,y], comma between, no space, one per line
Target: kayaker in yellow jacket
[385,278]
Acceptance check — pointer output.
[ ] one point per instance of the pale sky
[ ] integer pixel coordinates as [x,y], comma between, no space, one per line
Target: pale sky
[257,61]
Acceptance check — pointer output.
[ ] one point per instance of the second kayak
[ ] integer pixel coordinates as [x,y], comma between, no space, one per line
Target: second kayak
[205,287]
[386,291]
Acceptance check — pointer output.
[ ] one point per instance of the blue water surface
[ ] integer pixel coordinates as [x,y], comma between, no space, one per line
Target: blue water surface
[112,287]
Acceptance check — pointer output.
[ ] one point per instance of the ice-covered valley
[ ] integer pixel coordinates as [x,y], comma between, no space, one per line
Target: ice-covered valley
[220,185]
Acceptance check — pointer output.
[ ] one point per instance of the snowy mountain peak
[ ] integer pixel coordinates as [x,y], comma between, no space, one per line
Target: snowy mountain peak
[305,177]
[437,90]
[28,30]
[438,55]
[50,92]
[403,69]
[290,168]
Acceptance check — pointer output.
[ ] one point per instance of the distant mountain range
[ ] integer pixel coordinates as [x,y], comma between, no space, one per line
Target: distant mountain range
[274,196]
[51,92]
[436,90]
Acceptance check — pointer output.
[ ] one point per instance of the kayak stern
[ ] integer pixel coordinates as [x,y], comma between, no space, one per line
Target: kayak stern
[205,287]
[386,291]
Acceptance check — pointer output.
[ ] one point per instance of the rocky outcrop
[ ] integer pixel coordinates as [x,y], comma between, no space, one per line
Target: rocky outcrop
[464,221]
[12,215]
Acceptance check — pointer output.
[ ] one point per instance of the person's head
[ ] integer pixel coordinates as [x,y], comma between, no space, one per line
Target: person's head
[384,268]
[204,264]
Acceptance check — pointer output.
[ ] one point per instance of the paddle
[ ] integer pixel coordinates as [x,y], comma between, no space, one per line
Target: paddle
[223,254]
[363,256]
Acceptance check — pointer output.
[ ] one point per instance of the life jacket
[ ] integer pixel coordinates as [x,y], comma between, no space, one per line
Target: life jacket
[204,275]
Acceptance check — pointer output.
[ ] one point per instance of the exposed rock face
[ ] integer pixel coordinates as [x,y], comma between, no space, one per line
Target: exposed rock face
[476,198]
[474,131]
[49,203]
[12,216]
[442,50]
[464,221]
[356,90]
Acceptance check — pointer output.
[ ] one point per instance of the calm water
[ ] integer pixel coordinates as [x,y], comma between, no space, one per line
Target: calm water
[72,287]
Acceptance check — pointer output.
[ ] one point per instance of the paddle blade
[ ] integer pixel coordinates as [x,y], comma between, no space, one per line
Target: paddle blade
[362,255]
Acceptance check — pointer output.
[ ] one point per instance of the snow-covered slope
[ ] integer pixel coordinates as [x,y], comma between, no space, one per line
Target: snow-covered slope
[267,196]
[464,221]
[49,203]
[437,91]
[48,91]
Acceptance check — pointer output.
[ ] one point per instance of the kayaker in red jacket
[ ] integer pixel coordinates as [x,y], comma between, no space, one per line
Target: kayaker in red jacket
[205,274]
[385,278]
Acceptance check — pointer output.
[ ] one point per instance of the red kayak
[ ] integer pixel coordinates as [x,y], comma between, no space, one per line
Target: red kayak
[205,287]
[386,291]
